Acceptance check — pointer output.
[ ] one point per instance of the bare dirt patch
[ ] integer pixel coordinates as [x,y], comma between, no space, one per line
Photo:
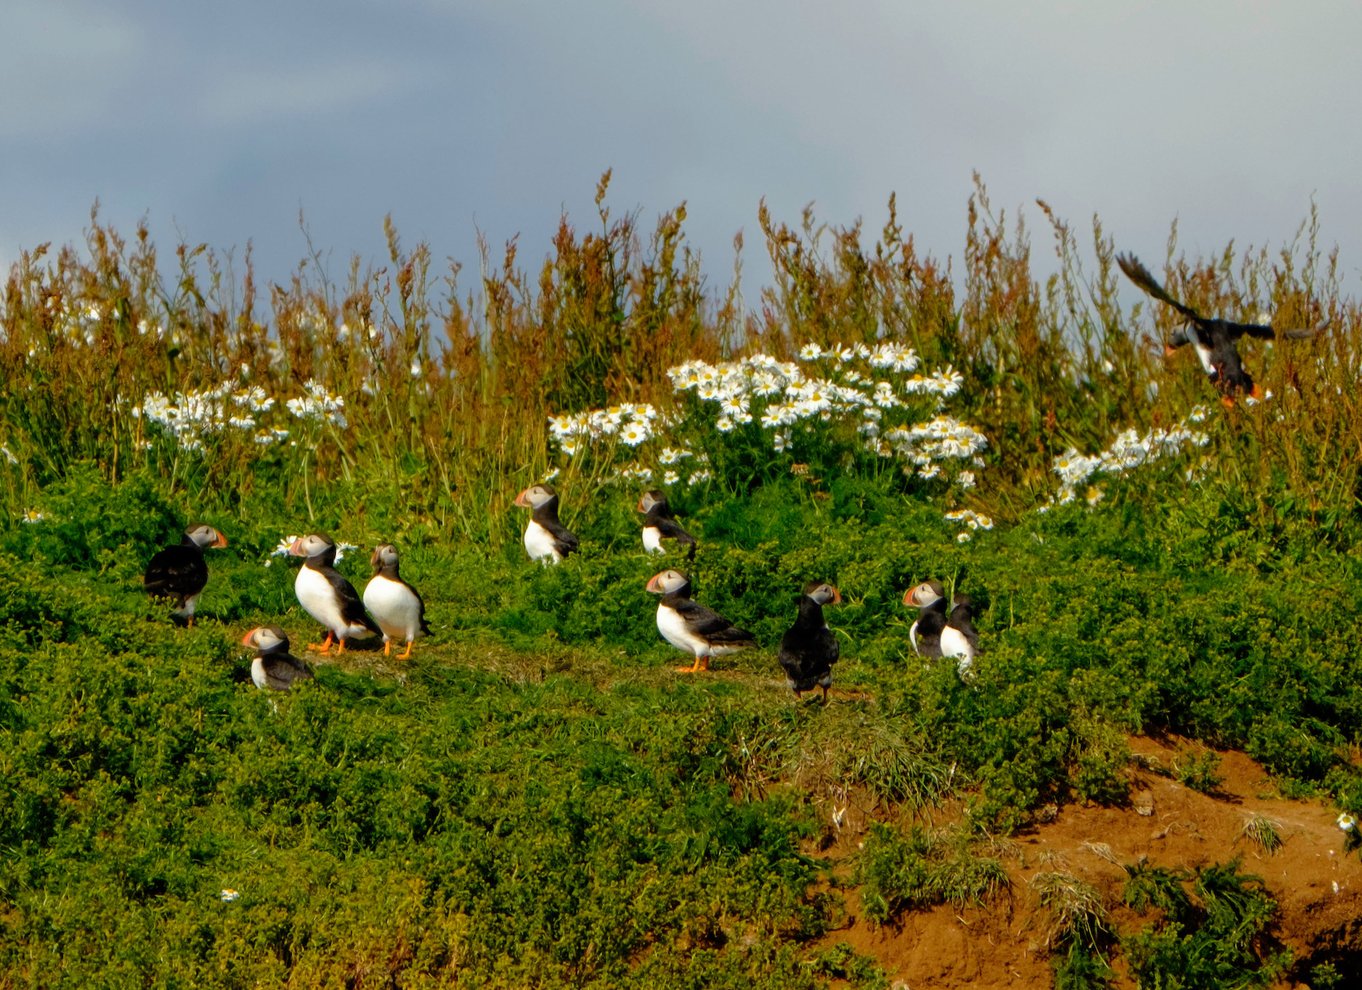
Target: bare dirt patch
[1004,944]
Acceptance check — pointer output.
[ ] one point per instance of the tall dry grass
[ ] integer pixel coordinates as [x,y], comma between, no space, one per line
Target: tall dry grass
[447,387]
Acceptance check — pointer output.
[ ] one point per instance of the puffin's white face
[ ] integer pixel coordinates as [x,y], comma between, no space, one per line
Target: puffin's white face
[265,639]
[535,496]
[310,546]
[206,536]
[384,555]
[666,582]
[924,594]
[649,499]
[824,593]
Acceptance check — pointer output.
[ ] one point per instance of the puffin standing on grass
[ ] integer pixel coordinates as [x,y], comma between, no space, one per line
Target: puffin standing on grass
[395,605]
[180,573]
[326,595]
[1211,337]
[274,668]
[546,539]
[809,649]
[691,627]
[925,634]
[659,524]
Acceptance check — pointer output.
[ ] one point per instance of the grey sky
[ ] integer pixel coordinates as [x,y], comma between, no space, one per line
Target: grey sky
[219,122]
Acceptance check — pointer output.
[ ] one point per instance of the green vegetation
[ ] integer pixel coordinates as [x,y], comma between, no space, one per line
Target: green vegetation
[537,797]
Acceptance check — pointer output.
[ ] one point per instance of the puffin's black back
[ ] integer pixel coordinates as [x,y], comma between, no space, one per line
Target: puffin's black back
[809,649]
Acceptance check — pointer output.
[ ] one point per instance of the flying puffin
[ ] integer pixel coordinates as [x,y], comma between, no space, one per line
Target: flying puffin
[179,572]
[958,638]
[659,524]
[690,627]
[1212,338]
[809,649]
[546,539]
[925,634]
[273,668]
[395,605]
[327,596]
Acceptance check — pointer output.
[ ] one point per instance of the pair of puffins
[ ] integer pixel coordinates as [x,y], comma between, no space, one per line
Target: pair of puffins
[937,633]
[547,540]
[807,650]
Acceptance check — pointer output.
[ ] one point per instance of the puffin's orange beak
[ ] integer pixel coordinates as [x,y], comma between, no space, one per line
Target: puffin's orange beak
[836,595]
[296,548]
[248,639]
[522,500]
[220,542]
[655,583]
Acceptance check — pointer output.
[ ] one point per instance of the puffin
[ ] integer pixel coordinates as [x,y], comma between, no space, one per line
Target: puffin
[809,649]
[691,627]
[925,634]
[958,638]
[274,668]
[1212,338]
[546,539]
[327,595]
[179,572]
[395,605]
[659,524]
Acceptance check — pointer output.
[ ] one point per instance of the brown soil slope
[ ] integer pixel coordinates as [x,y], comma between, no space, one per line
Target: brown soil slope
[1317,885]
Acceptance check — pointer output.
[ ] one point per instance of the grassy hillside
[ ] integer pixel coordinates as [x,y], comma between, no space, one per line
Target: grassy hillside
[538,797]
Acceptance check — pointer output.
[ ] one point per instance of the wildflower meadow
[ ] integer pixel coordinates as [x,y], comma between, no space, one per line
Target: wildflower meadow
[537,797]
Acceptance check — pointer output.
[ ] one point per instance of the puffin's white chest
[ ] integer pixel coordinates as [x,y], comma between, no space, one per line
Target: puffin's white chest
[912,637]
[652,540]
[1204,354]
[954,644]
[394,607]
[672,625]
[540,544]
[317,596]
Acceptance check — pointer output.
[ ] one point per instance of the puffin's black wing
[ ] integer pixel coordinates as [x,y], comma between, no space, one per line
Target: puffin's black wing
[420,609]
[282,669]
[1138,274]
[670,529]
[351,605]
[563,538]
[709,624]
[176,572]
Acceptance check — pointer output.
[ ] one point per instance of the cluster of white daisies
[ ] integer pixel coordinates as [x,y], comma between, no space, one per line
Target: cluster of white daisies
[854,384]
[1129,450]
[192,417]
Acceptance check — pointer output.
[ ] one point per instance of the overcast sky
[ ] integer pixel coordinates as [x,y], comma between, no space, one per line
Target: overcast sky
[219,122]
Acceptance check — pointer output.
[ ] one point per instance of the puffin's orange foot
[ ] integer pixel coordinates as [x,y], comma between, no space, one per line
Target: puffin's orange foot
[322,648]
[406,654]
[387,646]
[1227,401]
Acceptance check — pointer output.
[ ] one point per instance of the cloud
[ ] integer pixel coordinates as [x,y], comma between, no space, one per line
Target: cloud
[63,66]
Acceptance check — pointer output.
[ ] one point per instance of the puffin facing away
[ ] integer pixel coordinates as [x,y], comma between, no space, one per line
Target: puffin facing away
[691,627]
[958,638]
[925,634]
[395,605]
[546,539]
[809,649]
[274,668]
[180,573]
[1212,338]
[327,596]
[659,524]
